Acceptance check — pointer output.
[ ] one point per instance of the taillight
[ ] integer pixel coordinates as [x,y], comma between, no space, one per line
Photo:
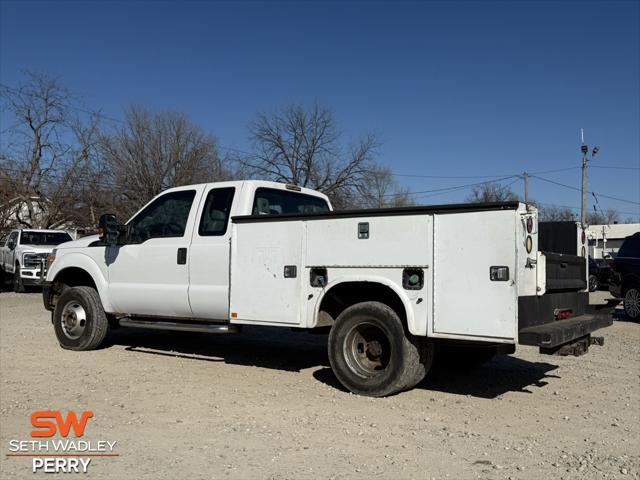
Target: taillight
[529,225]
[584,237]
[562,314]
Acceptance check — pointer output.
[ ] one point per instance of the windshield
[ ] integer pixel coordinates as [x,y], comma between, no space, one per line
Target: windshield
[269,201]
[44,238]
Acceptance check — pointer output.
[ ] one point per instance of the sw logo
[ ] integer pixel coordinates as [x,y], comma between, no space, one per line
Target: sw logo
[50,422]
[62,454]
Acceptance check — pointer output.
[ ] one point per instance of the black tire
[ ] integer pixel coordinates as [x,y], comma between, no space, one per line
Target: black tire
[371,352]
[79,321]
[631,302]
[18,286]
[593,283]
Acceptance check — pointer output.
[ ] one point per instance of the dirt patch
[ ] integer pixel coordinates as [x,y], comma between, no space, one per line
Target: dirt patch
[264,404]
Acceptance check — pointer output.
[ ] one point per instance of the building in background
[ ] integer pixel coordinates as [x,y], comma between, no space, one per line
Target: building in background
[605,240]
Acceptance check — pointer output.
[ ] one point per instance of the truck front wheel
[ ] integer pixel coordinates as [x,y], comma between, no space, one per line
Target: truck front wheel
[18,286]
[371,353]
[79,321]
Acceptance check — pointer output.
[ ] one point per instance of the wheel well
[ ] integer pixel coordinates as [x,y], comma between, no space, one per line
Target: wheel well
[74,277]
[343,295]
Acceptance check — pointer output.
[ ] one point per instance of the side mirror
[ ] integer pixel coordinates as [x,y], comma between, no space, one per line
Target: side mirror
[11,245]
[108,229]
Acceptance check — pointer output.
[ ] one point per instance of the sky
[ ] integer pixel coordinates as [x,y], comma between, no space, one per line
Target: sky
[465,89]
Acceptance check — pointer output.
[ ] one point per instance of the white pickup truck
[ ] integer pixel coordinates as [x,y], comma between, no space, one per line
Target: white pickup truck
[24,252]
[392,285]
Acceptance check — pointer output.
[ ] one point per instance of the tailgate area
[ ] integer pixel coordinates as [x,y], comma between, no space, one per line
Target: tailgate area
[565,272]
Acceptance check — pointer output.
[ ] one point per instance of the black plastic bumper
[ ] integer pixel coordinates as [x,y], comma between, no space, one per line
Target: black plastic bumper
[554,334]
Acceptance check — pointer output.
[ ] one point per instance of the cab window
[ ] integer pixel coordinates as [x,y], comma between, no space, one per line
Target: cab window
[165,217]
[215,214]
[270,201]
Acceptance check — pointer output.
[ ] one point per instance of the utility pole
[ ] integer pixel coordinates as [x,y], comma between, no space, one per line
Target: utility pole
[585,150]
[583,210]
[525,175]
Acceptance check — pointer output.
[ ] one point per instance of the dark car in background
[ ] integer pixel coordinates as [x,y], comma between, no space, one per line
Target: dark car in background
[599,273]
[625,277]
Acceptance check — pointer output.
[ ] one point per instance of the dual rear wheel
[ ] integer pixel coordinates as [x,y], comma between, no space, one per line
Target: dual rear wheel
[371,352]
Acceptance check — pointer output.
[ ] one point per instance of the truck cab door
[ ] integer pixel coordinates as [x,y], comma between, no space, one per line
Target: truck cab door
[150,274]
[210,250]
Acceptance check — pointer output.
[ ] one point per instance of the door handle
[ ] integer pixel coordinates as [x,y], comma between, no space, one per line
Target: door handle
[182,256]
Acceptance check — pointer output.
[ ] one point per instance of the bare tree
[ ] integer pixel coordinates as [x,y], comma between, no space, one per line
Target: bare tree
[491,192]
[156,151]
[46,152]
[379,189]
[556,213]
[303,147]
[606,217]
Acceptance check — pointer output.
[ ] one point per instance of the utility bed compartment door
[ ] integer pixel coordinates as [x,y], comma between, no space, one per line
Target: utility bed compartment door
[466,301]
[260,292]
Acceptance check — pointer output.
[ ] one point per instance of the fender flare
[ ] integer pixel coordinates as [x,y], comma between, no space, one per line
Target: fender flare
[86,263]
[414,329]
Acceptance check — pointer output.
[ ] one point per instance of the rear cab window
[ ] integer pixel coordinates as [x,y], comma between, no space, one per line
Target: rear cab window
[216,211]
[271,201]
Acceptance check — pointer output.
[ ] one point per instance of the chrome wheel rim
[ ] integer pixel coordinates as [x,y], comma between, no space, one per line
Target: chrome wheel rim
[367,350]
[593,283]
[632,302]
[73,320]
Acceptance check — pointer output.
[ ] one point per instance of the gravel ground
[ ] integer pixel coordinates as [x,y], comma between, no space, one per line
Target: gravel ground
[264,404]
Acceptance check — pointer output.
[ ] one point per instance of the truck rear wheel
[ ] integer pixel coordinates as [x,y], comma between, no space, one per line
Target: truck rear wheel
[79,321]
[371,353]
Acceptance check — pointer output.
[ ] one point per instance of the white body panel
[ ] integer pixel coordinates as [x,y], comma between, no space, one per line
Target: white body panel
[209,265]
[455,251]
[146,279]
[465,301]
[260,293]
[393,241]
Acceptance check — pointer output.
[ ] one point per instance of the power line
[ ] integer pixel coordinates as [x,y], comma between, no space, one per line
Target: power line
[614,167]
[457,187]
[578,190]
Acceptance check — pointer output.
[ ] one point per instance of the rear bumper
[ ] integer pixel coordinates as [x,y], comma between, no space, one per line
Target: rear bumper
[556,334]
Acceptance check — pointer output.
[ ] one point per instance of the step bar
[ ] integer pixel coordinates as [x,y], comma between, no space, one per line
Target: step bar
[180,326]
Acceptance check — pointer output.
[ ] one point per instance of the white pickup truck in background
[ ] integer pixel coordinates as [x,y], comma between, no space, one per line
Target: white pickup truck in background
[394,286]
[24,252]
